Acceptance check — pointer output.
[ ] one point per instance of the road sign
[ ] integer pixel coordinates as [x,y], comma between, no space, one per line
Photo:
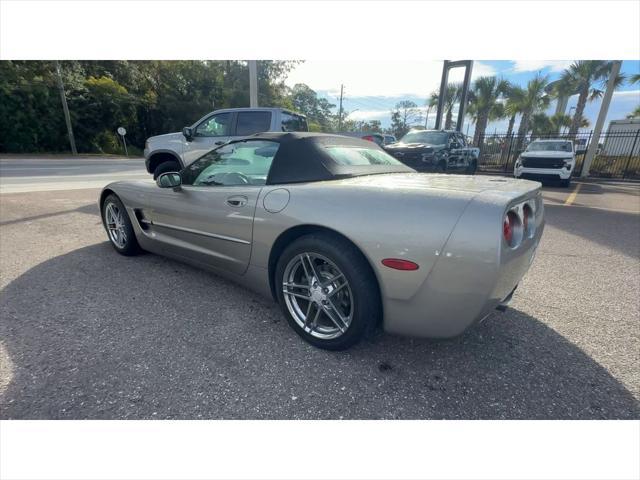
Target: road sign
[122,131]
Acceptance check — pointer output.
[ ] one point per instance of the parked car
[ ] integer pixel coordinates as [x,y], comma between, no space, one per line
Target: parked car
[174,151]
[436,150]
[342,235]
[389,139]
[547,159]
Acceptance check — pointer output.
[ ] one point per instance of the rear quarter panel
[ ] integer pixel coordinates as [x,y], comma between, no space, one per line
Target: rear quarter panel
[381,222]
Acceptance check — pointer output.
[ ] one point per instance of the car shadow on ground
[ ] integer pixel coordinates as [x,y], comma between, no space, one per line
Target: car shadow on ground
[92,334]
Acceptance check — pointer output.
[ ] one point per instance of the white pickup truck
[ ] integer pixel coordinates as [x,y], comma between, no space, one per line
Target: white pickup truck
[552,159]
[173,151]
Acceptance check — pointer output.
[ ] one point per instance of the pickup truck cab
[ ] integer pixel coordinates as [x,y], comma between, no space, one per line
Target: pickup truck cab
[551,159]
[173,151]
[436,150]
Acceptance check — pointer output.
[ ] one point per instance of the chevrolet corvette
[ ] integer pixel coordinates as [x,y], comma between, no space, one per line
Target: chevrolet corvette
[342,235]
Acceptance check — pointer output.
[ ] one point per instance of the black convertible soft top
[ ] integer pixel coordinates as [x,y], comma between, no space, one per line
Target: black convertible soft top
[303,157]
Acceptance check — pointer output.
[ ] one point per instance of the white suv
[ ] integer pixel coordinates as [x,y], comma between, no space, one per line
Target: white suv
[547,159]
[173,151]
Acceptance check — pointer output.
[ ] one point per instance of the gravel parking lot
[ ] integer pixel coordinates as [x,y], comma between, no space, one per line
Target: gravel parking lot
[87,333]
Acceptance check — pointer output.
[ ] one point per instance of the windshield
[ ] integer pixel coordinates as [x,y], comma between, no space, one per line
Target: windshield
[343,155]
[559,146]
[433,138]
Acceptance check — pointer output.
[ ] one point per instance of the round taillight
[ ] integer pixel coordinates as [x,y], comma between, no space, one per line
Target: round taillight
[512,229]
[507,229]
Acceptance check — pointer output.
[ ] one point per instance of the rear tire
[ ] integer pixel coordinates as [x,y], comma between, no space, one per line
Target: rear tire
[357,300]
[118,226]
[164,167]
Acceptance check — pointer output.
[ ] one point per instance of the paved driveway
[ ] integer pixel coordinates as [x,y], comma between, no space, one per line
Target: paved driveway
[86,333]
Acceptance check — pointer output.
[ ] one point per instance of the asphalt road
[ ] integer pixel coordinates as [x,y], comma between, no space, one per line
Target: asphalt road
[87,333]
[22,173]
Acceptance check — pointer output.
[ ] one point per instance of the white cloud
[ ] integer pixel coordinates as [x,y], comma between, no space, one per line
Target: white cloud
[378,79]
[634,94]
[535,65]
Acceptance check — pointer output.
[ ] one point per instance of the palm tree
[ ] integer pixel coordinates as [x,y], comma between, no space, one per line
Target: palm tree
[513,106]
[534,100]
[542,125]
[451,97]
[585,76]
[484,104]
[635,113]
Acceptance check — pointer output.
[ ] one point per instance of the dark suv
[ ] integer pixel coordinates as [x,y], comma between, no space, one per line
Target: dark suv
[436,150]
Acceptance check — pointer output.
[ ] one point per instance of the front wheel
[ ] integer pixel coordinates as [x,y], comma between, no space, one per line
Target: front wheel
[327,291]
[118,225]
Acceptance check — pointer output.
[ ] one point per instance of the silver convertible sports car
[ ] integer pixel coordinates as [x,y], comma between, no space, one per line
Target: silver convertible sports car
[343,236]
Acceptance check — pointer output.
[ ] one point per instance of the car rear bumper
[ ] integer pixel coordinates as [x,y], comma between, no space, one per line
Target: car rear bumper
[468,282]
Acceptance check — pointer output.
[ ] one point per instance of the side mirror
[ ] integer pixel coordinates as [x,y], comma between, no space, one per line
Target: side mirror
[169,180]
[188,133]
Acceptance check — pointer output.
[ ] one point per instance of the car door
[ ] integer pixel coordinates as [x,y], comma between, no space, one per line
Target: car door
[210,218]
[213,131]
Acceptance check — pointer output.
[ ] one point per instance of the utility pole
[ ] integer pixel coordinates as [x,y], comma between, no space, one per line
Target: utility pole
[602,115]
[253,84]
[65,108]
[340,111]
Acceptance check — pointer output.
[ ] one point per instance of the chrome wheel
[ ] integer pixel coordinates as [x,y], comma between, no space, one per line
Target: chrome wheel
[114,219]
[317,295]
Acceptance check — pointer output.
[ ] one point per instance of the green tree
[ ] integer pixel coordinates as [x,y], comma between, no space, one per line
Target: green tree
[318,110]
[484,104]
[534,100]
[588,78]
[451,98]
[405,115]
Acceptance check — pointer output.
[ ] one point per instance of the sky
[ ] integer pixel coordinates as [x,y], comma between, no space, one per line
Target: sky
[371,89]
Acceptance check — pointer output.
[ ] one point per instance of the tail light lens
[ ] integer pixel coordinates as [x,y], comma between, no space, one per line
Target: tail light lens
[368,137]
[512,229]
[528,221]
[507,229]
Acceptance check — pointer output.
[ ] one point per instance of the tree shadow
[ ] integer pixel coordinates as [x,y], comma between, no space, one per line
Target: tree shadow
[91,209]
[92,334]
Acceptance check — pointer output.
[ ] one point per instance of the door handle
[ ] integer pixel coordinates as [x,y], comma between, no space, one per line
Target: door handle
[237,201]
[219,142]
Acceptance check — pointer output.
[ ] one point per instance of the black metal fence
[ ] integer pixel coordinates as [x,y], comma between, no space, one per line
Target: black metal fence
[617,155]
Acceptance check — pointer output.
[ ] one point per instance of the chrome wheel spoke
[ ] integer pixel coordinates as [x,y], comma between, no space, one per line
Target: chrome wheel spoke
[335,316]
[296,294]
[296,285]
[310,267]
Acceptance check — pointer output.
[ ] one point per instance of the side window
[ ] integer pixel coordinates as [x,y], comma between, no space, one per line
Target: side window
[253,122]
[460,139]
[293,123]
[237,163]
[215,126]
